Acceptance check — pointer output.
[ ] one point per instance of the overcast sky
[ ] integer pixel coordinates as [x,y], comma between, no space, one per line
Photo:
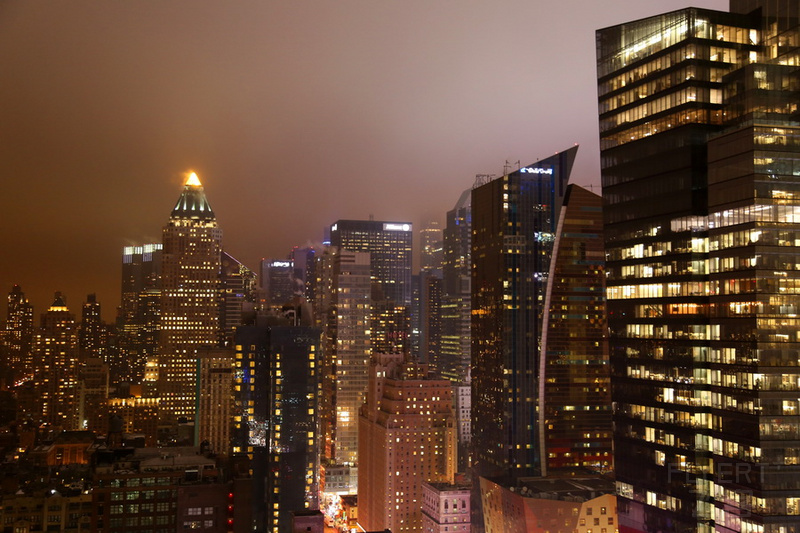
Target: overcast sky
[293,113]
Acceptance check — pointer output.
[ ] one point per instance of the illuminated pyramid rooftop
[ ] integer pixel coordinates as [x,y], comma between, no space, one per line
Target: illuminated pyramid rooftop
[192,203]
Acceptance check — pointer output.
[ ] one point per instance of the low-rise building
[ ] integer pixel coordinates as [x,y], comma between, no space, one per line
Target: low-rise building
[550,505]
[445,508]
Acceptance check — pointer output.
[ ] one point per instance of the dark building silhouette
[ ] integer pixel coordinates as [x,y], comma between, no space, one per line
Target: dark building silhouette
[277,391]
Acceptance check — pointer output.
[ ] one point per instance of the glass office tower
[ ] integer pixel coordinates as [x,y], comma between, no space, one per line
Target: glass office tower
[514,221]
[699,137]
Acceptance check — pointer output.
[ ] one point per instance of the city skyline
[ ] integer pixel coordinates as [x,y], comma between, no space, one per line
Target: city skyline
[109,105]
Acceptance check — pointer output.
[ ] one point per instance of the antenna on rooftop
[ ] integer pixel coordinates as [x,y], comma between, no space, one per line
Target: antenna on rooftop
[508,165]
[482,179]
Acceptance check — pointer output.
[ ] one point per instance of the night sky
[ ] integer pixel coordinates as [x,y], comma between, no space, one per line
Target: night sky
[293,114]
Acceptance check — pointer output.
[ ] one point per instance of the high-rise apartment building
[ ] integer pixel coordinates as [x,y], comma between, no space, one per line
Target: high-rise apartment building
[343,312]
[277,392]
[55,369]
[389,246]
[407,436]
[93,333]
[700,136]
[189,297]
[19,335]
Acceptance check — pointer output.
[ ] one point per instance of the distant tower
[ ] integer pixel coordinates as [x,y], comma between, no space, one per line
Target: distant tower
[430,312]
[304,262]
[427,324]
[237,286]
[431,248]
[456,295]
[138,323]
[56,367]
[407,436]
[19,334]
[93,333]
[276,281]
[189,297]
[389,245]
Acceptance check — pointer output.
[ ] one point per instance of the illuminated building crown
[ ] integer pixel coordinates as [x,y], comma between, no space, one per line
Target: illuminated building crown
[192,203]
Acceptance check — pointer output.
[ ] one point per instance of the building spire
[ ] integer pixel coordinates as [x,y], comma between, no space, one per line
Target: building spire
[193,180]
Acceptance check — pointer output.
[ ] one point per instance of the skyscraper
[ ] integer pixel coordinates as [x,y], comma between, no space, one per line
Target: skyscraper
[277,281]
[430,313]
[189,297]
[514,222]
[343,312]
[699,137]
[305,265]
[139,322]
[389,246]
[19,335]
[574,372]
[456,297]
[56,367]
[215,398]
[277,393]
[93,333]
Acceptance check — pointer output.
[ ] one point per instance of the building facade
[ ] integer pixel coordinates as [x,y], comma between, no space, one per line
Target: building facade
[456,303]
[445,508]
[343,311]
[56,368]
[699,137]
[575,375]
[214,420]
[277,394]
[407,436]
